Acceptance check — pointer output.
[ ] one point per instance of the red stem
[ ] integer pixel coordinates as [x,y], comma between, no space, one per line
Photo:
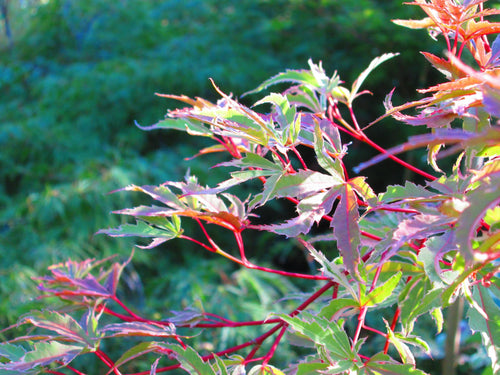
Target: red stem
[276,342]
[382,150]
[123,317]
[107,361]
[235,324]
[353,117]
[241,247]
[286,273]
[124,307]
[368,328]
[393,326]
[361,323]
[209,239]
[206,247]
[313,297]
[297,154]
[74,370]
[258,342]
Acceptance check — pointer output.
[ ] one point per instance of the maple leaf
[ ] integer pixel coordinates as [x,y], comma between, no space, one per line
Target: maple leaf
[73,280]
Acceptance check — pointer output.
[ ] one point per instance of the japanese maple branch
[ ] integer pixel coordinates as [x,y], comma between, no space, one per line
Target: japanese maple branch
[244,261]
[361,136]
[107,361]
[250,265]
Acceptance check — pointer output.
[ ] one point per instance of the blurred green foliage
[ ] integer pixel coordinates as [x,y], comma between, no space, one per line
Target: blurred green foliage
[78,73]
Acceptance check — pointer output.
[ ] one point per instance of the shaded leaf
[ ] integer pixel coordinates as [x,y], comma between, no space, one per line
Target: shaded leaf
[490,327]
[62,324]
[11,352]
[311,368]
[428,300]
[136,352]
[382,364]
[44,353]
[220,366]
[324,333]
[404,351]
[187,317]
[139,329]
[190,360]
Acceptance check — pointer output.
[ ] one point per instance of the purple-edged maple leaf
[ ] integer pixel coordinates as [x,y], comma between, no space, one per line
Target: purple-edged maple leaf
[291,228]
[139,329]
[310,211]
[431,116]
[345,223]
[73,281]
[420,226]
[62,324]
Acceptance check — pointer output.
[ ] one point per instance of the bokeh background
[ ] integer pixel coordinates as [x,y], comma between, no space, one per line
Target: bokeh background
[76,74]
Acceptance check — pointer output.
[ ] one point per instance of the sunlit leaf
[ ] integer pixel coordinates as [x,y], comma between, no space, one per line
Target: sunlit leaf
[291,228]
[141,229]
[398,192]
[338,307]
[382,292]
[374,64]
[444,66]
[480,200]
[290,76]
[416,24]
[346,229]
[331,165]
[404,351]
[298,185]
[265,370]
[191,127]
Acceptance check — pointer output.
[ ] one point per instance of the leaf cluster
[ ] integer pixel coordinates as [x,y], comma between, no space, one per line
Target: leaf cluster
[393,258]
